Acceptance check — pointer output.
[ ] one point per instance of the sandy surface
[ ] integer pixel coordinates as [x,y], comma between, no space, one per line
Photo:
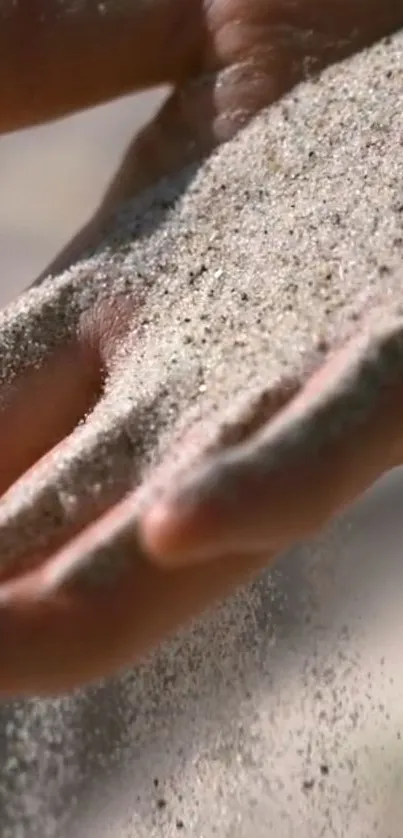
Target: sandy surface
[281,712]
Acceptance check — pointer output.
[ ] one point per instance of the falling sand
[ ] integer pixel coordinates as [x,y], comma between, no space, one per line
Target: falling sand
[244,271]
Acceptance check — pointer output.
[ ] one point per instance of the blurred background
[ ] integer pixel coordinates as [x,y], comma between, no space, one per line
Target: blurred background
[51,179]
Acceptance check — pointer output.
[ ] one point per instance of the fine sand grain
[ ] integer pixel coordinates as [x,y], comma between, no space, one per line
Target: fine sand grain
[246,270]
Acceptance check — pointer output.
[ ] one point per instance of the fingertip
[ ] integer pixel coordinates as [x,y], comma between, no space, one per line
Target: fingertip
[160,533]
[175,536]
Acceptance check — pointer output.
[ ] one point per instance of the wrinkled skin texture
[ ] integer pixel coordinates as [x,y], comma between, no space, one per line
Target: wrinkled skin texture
[245,503]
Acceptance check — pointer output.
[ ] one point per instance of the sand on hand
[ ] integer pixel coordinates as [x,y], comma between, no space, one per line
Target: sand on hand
[243,273]
[245,270]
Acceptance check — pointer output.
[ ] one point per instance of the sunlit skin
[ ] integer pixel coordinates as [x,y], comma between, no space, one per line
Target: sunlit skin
[226,59]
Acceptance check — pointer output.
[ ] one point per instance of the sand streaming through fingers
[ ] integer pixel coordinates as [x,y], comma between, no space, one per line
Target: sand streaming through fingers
[248,270]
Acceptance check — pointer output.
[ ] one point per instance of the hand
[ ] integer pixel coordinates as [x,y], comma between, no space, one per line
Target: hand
[90,581]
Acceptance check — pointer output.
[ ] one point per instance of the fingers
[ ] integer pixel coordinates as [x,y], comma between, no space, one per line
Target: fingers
[48,381]
[117,48]
[249,54]
[150,43]
[100,605]
[338,435]
[200,115]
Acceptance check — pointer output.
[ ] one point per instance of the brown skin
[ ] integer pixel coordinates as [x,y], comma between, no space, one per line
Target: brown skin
[58,632]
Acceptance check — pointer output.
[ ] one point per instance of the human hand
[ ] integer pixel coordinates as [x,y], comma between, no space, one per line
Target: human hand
[90,581]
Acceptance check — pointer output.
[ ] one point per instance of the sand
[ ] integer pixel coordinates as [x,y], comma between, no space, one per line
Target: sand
[248,269]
